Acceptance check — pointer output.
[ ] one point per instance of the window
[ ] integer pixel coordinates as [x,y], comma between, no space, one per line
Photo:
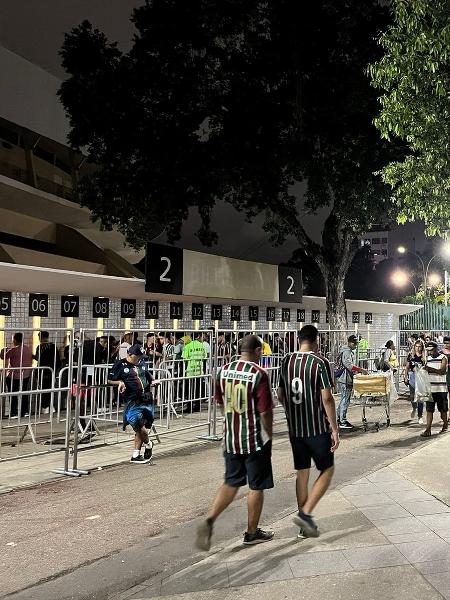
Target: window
[384,240]
[375,241]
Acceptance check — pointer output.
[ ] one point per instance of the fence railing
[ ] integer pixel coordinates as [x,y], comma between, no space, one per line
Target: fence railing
[71,407]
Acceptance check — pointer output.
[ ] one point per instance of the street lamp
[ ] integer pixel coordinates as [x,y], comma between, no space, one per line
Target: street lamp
[434,279]
[400,279]
[445,251]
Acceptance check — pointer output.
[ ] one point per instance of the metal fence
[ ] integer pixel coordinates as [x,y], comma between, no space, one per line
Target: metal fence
[34,389]
[68,404]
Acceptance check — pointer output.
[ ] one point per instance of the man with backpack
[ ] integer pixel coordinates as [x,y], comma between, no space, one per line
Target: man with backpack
[345,369]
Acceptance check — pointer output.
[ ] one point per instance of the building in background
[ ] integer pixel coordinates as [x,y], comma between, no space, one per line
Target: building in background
[378,241]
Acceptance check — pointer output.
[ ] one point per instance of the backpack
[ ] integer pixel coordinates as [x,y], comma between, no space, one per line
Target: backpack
[339,367]
[380,363]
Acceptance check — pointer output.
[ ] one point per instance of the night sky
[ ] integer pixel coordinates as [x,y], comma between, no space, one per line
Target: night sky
[35,29]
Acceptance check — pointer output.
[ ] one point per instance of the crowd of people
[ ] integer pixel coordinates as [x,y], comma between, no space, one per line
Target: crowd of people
[189,356]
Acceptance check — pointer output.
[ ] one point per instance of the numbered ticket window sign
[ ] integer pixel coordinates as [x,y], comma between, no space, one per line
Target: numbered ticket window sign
[100,308]
[368,318]
[286,315]
[38,305]
[197,312]
[164,269]
[235,313]
[355,317]
[315,316]
[253,313]
[270,313]
[290,285]
[127,308]
[301,315]
[70,306]
[176,310]
[152,309]
[216,312]
[5,304]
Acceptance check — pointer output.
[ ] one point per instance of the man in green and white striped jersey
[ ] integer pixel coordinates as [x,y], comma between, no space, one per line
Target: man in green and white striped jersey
[243,391]
[305,392]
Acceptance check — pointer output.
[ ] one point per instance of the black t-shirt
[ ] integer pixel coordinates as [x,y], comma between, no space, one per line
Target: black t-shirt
[137,380]
[413,360]
[47,355]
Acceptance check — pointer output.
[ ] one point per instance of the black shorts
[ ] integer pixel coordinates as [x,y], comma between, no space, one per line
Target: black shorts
[316,447]
[439,398]
[256,467]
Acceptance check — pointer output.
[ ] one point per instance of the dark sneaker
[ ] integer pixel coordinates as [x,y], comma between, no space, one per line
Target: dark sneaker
[148,452]
[258,537]
[204,533]
[345,425]
[306,522]
[139,460]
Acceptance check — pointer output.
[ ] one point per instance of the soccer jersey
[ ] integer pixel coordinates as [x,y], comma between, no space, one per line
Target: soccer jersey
[243,388]
[137,379]
[302,377]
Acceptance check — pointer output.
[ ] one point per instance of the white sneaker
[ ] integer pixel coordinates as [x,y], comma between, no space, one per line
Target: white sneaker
[420,421]
[45,411]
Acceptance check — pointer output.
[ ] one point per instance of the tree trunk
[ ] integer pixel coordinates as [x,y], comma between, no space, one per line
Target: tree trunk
[334,262]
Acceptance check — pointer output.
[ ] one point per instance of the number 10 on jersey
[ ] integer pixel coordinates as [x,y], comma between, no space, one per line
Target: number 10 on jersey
[235,397]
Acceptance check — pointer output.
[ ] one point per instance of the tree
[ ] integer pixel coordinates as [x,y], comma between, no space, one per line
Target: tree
[414,75]
[235,102]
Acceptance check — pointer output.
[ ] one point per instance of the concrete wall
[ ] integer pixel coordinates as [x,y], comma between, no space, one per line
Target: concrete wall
[28,97]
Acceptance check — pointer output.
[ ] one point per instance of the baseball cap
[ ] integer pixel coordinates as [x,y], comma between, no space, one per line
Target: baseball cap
[136,349]
[352,338]
[446,338]
[431,345]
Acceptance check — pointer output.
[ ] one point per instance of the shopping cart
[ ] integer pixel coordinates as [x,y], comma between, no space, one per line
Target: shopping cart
[373,392]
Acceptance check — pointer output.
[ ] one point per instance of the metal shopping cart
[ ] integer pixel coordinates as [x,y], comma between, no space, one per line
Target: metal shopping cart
[373,392]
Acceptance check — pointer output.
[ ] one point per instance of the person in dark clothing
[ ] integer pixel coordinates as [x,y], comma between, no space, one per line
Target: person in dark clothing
[133,378]
[49,363]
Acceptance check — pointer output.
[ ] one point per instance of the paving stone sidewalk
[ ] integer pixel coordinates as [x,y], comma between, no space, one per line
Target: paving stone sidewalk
[382,537]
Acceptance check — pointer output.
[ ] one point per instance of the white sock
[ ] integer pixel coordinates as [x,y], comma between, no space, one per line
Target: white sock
[149,444]
[136,453]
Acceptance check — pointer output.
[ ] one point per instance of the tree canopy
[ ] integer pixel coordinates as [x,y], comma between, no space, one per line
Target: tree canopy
[414,75]
[235,102]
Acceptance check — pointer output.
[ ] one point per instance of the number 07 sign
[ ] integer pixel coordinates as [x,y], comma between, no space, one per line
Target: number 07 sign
[164,269]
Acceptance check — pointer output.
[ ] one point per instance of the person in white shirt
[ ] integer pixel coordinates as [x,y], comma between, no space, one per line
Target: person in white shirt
[126,342]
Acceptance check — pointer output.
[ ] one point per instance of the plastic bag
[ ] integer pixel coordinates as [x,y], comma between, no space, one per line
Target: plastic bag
[393,395]
[423,387]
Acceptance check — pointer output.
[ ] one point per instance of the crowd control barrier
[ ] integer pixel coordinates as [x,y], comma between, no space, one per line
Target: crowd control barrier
[33,392]
[68,405]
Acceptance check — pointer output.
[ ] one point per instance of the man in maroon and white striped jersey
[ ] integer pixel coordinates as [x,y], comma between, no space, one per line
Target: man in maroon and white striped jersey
[305,392]
[243,391]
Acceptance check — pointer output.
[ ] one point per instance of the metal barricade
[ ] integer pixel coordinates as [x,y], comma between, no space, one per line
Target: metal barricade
[182,394]
[31,393]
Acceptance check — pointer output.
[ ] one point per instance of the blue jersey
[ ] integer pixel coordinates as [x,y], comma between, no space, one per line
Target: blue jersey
[137,380]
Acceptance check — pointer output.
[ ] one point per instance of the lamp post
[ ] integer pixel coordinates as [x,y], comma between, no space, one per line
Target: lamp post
[400,279]
[445,251]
